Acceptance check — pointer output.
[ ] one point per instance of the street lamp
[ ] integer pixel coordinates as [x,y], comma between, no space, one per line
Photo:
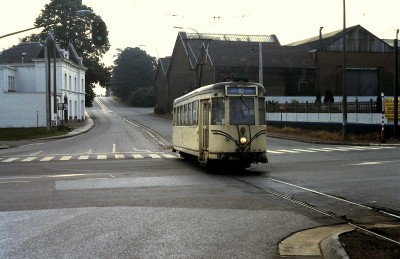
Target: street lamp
[182,28]
[145,46]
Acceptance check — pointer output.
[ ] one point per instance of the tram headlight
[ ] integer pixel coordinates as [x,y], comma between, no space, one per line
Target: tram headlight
[243,140]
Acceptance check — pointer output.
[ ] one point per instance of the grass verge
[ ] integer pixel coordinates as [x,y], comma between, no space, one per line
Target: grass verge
[12,134]
[324,135]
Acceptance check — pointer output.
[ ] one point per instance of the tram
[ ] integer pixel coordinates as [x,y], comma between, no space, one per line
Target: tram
[222,123]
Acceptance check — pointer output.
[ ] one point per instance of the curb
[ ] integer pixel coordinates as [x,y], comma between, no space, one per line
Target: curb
[331,248]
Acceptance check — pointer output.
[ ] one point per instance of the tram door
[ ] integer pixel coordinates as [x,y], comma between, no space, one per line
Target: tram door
[204,125]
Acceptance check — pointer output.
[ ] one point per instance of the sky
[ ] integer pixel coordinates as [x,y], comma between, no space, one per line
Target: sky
[149,24]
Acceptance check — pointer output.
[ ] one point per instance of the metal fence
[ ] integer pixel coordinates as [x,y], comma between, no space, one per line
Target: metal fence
[336,107]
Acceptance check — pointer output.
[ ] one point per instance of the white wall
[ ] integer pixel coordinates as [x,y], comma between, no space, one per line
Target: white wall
[20,109]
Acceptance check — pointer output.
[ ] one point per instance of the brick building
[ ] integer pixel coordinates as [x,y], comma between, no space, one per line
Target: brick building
[311,67]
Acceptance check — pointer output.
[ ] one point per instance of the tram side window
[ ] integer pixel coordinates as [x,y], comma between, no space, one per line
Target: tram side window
[195,106]
[261,111]
[174,117]
[189,115]
[218,111]
[180,116]
[185,115]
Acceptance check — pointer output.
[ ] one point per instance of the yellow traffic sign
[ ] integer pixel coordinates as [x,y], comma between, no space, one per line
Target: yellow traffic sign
[389,108]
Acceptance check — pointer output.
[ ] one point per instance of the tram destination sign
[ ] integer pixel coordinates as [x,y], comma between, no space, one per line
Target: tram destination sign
[241,90]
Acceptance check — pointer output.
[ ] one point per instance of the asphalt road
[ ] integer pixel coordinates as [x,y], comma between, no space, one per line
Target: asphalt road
[114,193]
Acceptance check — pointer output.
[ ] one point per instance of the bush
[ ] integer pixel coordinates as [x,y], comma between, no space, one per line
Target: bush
[141,97]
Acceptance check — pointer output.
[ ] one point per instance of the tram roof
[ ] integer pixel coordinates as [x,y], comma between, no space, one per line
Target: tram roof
[218,87]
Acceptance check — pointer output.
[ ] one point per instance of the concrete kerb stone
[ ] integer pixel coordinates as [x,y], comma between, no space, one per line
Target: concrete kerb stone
[320,241]
[331,248]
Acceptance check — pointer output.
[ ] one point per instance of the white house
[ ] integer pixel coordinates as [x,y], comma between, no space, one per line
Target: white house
[23,85]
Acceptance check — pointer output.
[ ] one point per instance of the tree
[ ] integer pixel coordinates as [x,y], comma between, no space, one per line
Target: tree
[132,77]
[67,22]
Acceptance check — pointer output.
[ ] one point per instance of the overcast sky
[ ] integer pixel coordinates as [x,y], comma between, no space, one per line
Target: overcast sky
[150,22]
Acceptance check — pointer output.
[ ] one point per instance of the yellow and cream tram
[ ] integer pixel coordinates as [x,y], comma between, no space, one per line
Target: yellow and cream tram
[222,122]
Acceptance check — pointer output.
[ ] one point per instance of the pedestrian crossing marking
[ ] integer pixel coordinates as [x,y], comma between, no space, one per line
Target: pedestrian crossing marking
[9,159]
[328,149]
[154,156]
[159,155]
[169,156]
[47,158]
[29,159]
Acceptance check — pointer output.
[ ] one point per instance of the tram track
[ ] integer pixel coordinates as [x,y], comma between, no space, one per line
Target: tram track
[357,215]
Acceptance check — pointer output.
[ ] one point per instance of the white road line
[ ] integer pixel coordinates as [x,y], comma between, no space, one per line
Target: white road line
[154,156]
[119,156]
[65,158]
[84,157]
[101,157]
[137,156]
[169,156]
[29,159]
[287,151]
[274,152]
[9,160]
[47,158]
[305,150]
[113,148]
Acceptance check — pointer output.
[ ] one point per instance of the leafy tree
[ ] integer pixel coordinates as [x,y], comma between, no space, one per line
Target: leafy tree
[67,22]
[132,77]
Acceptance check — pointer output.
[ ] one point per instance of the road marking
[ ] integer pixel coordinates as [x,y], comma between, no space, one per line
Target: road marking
[328,149]
[119,156]
[29,159]
[84,157]
[101,157]
[47,158]
[154,156]
[274,152]
[113,148]
[287,151]
[8,160]
[65,158]
[305,150]
[169,156]
[137,156]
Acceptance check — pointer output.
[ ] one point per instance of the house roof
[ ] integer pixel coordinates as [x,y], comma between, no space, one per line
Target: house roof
[21,53]
[242,50]
[163,64]
[331,37]
[25,52]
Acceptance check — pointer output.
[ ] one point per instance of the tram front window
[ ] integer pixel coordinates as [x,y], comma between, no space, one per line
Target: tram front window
[241,111]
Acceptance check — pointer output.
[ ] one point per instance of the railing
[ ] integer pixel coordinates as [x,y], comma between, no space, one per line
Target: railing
[357,112]
[337,107]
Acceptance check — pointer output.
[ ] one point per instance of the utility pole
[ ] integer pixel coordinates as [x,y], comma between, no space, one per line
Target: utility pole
[260,64]
[396,86]
[51,49]
[344,103]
